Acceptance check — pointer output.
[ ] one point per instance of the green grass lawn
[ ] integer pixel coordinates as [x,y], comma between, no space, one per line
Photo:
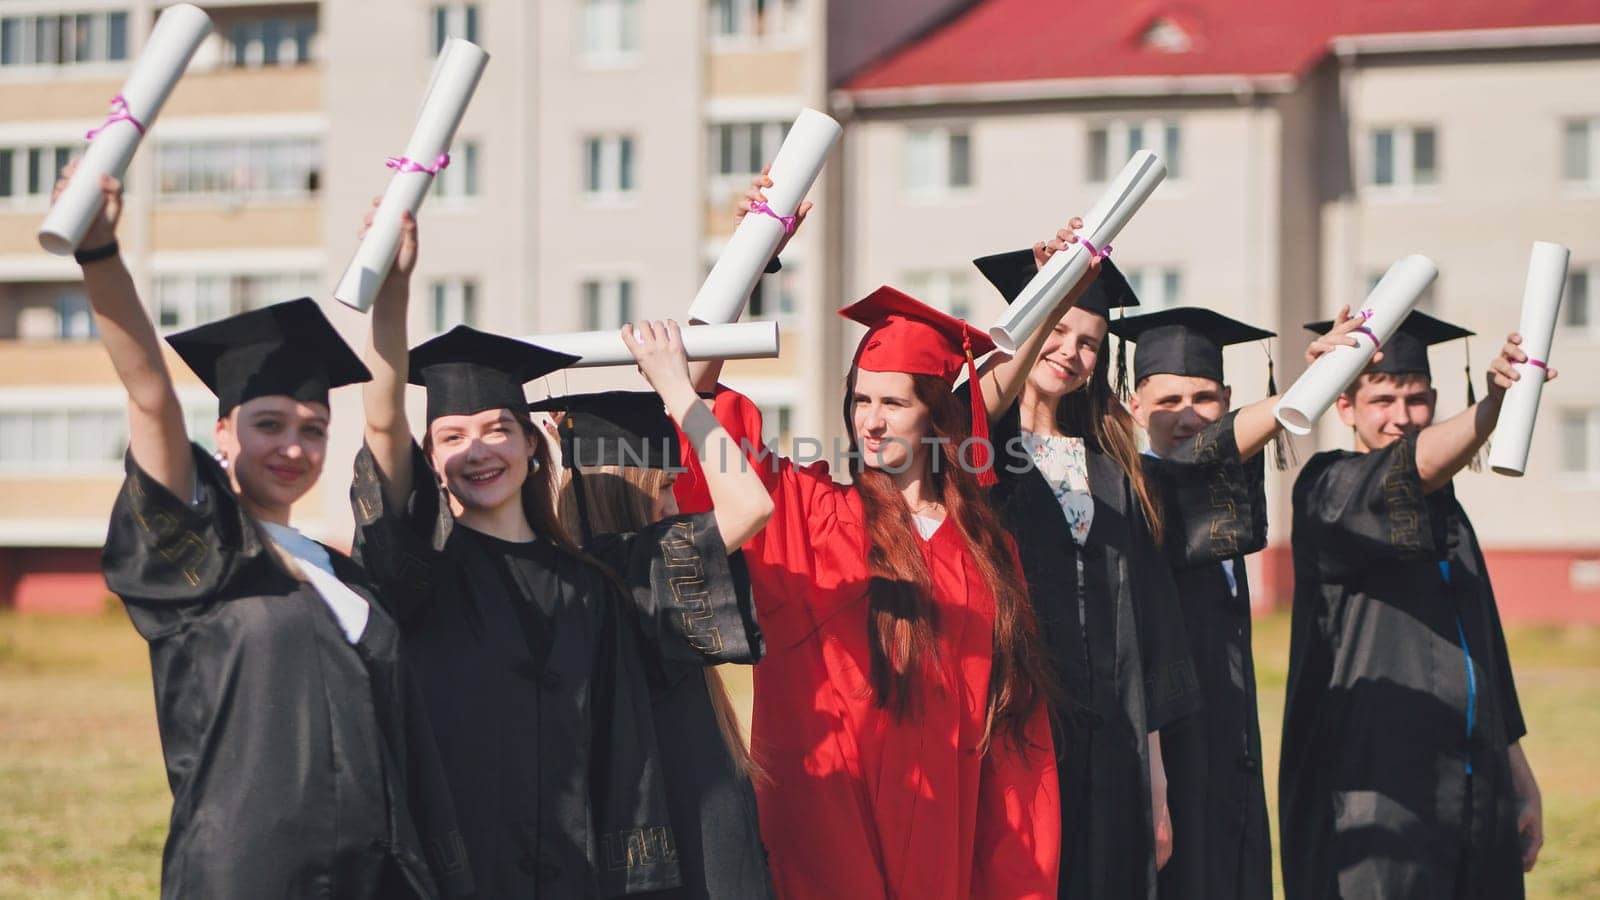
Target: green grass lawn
[85,797]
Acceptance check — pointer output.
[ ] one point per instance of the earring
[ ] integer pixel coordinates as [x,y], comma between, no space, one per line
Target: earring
[533,464]
[221,458]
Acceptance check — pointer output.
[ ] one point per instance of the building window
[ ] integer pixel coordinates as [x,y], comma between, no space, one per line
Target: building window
[237,170]
[1157,287]
[776,296]
[27,174]
[272,41]
[1113,143]
[937,161]
[946,290]
[459,180]
[75,316]
[742,149]
[184,300]
[744,21]
[608,166]
[1580,152]
[63,40]
[455,302]
[1577,310]
[460,20]
[607,303]
[1404,156]
[1580,441]
[610,31]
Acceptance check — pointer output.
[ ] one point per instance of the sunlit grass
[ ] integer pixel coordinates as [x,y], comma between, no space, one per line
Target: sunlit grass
[85,797]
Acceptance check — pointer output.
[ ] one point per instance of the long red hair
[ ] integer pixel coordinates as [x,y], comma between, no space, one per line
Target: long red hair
[902,621]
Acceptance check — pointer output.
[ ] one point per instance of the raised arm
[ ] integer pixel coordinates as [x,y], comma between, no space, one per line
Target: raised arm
[738,496]
[1255,425]
[388,434]
[1002,377]
[705,374]
[156,434]
[1444,449]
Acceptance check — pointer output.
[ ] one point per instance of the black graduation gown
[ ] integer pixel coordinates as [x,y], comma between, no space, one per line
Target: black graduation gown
[1214,509]
[295,758]
[1382,721]
[1124,672]
[701,596]
[534,676]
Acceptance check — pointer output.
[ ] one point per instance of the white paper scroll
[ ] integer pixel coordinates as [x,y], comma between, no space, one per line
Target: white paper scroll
[1385,308]
[722,296]
[1101,225]
[1541,304]
[166,54]
[455,77]
[742,340]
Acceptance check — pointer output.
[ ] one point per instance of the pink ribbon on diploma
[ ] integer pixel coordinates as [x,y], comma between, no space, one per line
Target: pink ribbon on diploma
[1376,344]
[407,164]
[119,113]
[1537,362]
[760,206]
[1095,252]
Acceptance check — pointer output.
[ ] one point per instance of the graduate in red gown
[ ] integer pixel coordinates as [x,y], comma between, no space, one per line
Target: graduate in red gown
[901,711]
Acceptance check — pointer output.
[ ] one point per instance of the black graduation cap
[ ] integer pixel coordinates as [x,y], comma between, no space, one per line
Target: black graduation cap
[615,428]
[1011,272]
[1406,352]
[1186,340]
[288,349]
[467,371]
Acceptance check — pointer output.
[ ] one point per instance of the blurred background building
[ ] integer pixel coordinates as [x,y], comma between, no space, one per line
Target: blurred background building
[593,179]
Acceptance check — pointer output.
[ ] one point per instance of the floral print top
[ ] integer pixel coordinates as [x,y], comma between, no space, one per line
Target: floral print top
[1065,467]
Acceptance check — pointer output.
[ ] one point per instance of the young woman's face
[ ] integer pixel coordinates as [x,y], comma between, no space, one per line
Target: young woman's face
[275,447]
[891,425]
[1069,354]
[482,457]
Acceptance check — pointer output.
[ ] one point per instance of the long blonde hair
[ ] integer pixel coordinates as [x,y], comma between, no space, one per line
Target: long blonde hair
[622,499]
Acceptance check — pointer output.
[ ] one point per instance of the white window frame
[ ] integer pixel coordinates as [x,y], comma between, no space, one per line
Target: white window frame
[948,290]
[461,182]
[937,142]
[787,25]
[1158,287]
[744,138]
[452,301]
[26,32]
[604,31]
[297,154]
[252,30]
[1590,276]
[1592,181]
[779,295]
[606,301]
[462,20]
[1590,415]
[609,189]
[1404,159]
[198,296]
[1120,146]
[23,197]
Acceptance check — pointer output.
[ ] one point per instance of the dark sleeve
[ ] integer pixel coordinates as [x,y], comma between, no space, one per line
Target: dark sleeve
[774,265]
[164,552]
[401,549]
[1364,508]
[1505,683]
[1214,504]
[1171,687]
[690,597]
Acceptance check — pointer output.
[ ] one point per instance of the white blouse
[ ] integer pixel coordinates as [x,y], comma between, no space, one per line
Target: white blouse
[347,606]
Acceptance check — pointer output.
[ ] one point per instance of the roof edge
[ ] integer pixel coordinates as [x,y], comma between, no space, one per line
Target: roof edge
[1065,89]
[1349,45]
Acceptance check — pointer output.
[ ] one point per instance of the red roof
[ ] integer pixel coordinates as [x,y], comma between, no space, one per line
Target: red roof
[1029,40]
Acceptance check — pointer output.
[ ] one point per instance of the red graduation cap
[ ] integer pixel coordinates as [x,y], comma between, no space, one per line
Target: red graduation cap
[906,335]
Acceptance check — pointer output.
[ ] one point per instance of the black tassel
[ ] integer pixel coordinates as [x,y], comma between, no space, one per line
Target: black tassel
[1123,391]
[1283,454]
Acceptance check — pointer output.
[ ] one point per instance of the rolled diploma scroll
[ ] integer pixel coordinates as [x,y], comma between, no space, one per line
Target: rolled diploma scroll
[742,340]
[723,294]
[1384,309]
[1541,304]
[166,54]
[1101,225]
[455,77]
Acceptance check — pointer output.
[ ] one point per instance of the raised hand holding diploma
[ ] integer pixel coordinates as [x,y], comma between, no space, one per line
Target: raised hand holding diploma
[723,294]
[455,78]
[1541,305]
[166,54]
[741,340]
[1101,225]
[1384,309]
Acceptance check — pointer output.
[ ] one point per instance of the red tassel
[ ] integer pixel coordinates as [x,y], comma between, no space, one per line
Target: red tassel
[983,457]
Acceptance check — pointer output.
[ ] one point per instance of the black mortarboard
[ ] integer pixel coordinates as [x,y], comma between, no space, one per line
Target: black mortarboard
[1011,272]
[615,428]
[467,371]
[1406,351]
[1186,340]
[286,349]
